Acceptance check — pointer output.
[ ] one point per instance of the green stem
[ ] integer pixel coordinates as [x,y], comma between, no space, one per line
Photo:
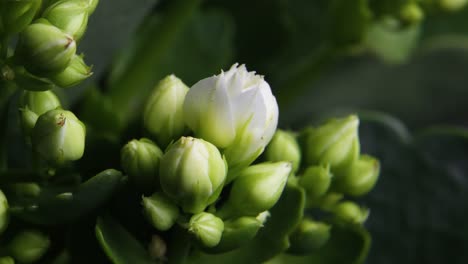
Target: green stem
[128,90]
[179,246]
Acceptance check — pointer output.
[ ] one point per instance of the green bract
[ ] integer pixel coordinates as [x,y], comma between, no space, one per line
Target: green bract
[140,160]
[59,136]
[43,48]
[163,111]
[193,173]
[256,189]
[284,147]
[160,211]
[76,72]
[206,228]
[335,143]
[362,176]
[28,246]
[71,16]
[234,110]
[15,15]
[34,104]
[3,212]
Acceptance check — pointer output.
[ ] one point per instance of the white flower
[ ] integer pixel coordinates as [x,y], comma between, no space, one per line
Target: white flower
[235,111]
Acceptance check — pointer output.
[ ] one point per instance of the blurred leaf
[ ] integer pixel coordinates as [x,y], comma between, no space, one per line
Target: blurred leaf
[272,239]
[52,207]
[346,245]
[119,245]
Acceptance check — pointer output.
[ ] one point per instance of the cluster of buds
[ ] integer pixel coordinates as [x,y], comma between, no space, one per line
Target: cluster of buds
[45,54]
[328,166]
[204,180]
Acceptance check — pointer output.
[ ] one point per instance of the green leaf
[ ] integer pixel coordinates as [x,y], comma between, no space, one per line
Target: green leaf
[272,239]
[53,207]
[118,244]
[348,245]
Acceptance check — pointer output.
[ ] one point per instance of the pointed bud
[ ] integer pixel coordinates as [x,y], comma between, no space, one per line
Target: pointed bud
[284,147]
[237,232]
[43,48]
[140,160]
[452,5]
[17,15]
[192,172]
[310,235]
[31,82]
[335,143]
[257,189]
[316,181]
[234,110]
[71,16]
[206,228]
[59,136]
[34,104]
[76,72]
[3,212]
[7,260]
[29,246]
[349,212]
[163,111]
[361,178]
[160,211]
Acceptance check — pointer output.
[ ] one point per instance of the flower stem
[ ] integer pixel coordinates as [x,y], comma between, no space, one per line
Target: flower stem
[179,246]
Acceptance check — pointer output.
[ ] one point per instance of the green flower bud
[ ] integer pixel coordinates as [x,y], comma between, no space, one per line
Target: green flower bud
[59,136]
[192,172]
[163,116]
[3,212]
[335,143]
[207,228]
[140,160]
[30,82]
[92,4]
[361,178]
[452,5]
[43,48]
[256,189]
[411,13]
[71,16]
[76,72]
[284,147]
[34,104]
[16,15]
[316,181]
[350,212]
[310,235]
[237,232]
[160,211]
[7,260]
[28,246]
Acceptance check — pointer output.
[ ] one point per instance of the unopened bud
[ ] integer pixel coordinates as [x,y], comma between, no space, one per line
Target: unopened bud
[59,136]
[335,143]
[207,228]
[452,5]
[256,189]
[316,181]
[140,160]
[284,147]
[163,116]
[76,72]
[411,13]
[34,104]
[160,211]
[310,235]
[361,178]
[71,16]
[349,212]
[43,48]
[192,172]
[29,246]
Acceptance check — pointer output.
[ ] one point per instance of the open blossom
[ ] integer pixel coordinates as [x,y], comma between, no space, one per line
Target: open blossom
[235,111]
